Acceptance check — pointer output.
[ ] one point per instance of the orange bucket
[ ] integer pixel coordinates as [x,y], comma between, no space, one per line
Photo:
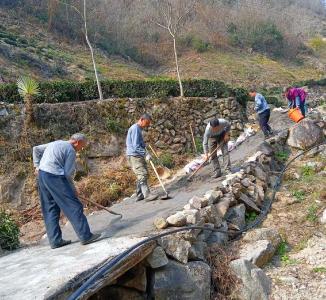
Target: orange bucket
[295,114]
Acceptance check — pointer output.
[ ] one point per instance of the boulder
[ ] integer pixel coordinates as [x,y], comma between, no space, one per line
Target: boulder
[266,148]
[305,134]
[255,284]
[177,281]
[192,216]
[197,251]
[213,196]
[160,223]
[210,215]
[157,258]
[12,189]
[219,238]
[196,202]
[269,234]
[105,147]
[175,247]
[236,215]
[259,252]
[249,202]
[178,219]
[222,207]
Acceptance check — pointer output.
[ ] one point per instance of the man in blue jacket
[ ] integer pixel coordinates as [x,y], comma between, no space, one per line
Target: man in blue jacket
[137,157]
[263,111]
[55,166]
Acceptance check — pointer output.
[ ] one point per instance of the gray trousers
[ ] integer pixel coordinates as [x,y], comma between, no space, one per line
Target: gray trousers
[212,145]
[139,167]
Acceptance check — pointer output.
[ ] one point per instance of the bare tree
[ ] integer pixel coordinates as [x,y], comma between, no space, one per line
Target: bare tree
[173,15]
[85,31]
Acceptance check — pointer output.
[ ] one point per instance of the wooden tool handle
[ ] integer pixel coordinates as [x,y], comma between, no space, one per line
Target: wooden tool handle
[158,176]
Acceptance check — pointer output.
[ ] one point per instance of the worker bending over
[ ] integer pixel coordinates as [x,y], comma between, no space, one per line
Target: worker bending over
[217,135]
[55,166]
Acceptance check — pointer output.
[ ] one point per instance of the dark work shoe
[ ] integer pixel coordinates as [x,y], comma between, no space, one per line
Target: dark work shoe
[140,197]
[61,244]
[93,238]
[217,174]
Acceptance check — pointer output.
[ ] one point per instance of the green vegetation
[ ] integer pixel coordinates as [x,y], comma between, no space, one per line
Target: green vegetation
[114,126]
[167,160]
[312,213]
[282,155]
[299,195]
[199,145]
[317,43]
[307,171]
[69,91]
[251,216]
[282,252]
[319,270]
[9,232]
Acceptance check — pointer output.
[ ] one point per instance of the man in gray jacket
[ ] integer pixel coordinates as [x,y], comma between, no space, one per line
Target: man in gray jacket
[137,157]
[217,133]
[55,166]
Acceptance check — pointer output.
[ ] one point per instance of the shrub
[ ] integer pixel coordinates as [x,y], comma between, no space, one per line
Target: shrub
[317,43]
[263,37]
[167,160]
[69,91]
[114,126]
[9,232]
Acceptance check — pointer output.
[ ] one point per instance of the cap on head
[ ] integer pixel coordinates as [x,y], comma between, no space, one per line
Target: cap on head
[253,89]
[214,122]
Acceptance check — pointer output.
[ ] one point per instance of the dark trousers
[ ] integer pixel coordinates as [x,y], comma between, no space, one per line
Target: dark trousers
[56,194]
[263,121]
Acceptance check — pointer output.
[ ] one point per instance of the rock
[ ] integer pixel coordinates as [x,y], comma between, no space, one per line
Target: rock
[3,112]
[269,234]
[210,215]
[157,258]
[196,202]
[213,196]
[12,189]
[219,238]
[134,278]
[105,147]
[176,247]
[305,134]
[259,252]
[197,251]
[188,207]
[260,174]
[160,223]
[236,215]
[207,233]
[192,216]
[255,284]
[266,148]
[118,292]
[176,281]
[323,217]
[245,182]
[222,207]
[178,219]
[249,203]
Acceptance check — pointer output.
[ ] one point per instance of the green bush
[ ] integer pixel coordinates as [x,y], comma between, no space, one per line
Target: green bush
[167,160]
[114,126]
[69,91]
[264,37]
[9,232]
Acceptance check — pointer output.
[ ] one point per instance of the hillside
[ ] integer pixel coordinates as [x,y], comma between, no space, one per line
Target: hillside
[27,47]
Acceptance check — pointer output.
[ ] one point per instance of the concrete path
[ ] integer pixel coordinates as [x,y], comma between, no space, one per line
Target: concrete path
[33,272]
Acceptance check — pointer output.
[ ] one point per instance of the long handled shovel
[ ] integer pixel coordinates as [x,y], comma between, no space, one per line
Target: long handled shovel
[203,163]
[166,196]
[100,206]
[163,171]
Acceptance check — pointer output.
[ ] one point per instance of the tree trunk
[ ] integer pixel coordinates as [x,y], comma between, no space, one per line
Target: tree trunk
[92,53]
[28,110]
[177,65]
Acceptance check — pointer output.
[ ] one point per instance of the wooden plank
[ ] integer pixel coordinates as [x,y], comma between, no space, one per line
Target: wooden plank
[126,264]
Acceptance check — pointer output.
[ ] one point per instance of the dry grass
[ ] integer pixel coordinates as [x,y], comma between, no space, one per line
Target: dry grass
[224,281]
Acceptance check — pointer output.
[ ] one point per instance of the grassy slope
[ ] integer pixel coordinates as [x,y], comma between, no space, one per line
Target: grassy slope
[44,56]
[242,68]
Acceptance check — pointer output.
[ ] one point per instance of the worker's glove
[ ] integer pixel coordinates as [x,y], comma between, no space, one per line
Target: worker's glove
[148,157]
